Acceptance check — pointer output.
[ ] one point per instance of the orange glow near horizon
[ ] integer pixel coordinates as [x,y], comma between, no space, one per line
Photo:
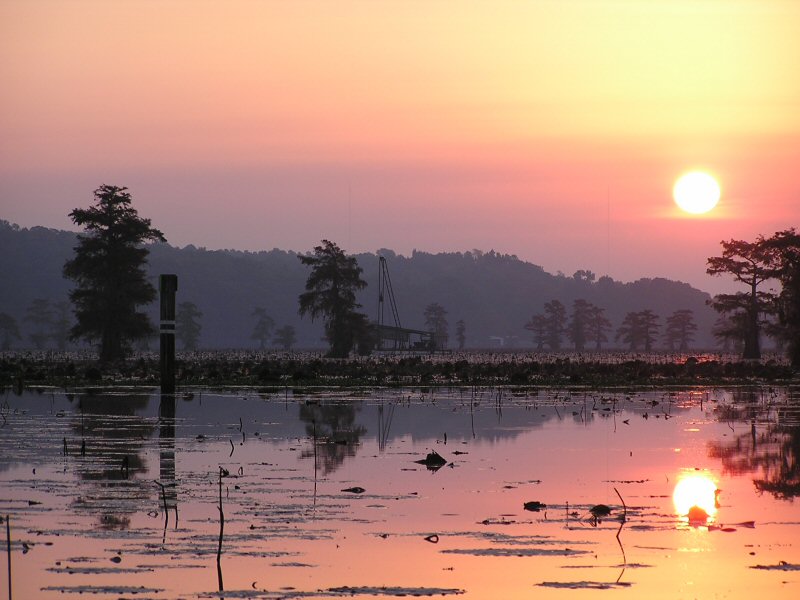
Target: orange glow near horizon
[570,117]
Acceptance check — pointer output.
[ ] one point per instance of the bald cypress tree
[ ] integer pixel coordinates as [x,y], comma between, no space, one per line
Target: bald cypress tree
[108,270]
[331,294]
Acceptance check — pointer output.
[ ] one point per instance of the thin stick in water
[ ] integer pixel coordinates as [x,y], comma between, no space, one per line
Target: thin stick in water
[166,510]
[221,529]
[619,541]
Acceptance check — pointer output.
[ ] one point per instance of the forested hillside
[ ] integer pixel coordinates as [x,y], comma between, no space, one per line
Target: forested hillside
[495,295]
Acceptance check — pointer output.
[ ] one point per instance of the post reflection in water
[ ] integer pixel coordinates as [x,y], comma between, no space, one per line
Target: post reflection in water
[166,449]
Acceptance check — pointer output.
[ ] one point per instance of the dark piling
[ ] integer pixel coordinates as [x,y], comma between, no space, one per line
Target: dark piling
[167,286]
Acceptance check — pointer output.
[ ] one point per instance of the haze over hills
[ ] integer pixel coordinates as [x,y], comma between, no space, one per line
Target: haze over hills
[494,294]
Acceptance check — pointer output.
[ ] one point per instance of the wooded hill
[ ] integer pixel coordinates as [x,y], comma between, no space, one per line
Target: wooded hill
[494,294]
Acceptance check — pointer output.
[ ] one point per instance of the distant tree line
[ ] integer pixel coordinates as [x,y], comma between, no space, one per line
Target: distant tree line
[111,289]
[49,323]
[586,326]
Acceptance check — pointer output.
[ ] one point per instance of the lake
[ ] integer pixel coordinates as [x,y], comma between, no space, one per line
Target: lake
[329,493]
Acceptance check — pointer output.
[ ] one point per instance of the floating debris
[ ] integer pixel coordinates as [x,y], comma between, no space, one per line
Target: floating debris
[354,490]
[534,506]
[432,460]
[600,510]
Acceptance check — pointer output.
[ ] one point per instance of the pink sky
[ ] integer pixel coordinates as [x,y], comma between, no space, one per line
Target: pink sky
[552,130]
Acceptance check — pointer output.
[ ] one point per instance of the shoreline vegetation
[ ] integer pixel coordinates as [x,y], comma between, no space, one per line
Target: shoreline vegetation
[261,369]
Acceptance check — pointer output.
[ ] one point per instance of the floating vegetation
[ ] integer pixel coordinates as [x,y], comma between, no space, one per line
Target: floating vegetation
[392,591]
[584,585]
[781,566]
[336,592]
[515,551]
[118,590]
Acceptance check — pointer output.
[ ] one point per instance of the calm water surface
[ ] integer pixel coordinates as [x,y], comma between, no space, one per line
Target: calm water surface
[117,495]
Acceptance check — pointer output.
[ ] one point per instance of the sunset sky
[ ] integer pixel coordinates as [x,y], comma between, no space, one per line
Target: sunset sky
[553,130]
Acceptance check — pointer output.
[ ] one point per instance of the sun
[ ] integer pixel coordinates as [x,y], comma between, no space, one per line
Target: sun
[696,192]
[694,495]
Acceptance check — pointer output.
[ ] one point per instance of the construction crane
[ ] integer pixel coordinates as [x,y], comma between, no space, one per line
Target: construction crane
[393,336]
[384,289]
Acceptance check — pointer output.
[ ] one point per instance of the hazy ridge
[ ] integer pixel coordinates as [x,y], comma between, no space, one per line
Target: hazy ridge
[494,294]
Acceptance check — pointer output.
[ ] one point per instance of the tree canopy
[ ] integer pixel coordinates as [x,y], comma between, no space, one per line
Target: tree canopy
[784,247]
[753,263]
[748,263]
[108,270]
[436,322]
[262,330]
[331,294]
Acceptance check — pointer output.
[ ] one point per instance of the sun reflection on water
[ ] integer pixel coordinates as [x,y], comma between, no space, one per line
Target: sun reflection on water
[695,498]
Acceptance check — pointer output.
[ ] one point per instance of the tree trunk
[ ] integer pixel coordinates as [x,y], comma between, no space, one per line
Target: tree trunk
[752,349]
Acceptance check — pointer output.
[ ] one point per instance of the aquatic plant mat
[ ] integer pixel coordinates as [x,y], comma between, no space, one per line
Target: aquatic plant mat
[478,492]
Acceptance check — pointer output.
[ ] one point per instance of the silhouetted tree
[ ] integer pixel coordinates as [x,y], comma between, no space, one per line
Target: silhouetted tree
[584,275]
[364,334]
[750,263]
[61,324]
[730,331]
[285,337]
[578,327]
[330,294]
[649,321]
[638,329]
[41,317]
[263,327]
[629,331]
[187,325]
[108,269]
[776,331]
[680,329]
[784,248]
[436,323]
[555,315]
[461,333]
[597,326]
[8,330]
[538,325]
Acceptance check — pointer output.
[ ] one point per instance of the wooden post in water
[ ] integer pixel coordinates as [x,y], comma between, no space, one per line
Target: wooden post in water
[8,549]
[167,286]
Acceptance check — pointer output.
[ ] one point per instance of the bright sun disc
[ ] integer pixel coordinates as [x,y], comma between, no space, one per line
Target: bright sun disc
[696,192]
[695,490]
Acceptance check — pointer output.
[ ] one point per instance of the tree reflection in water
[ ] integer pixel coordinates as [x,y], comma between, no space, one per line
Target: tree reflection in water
[112,442]
[332,425]
[770,450]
